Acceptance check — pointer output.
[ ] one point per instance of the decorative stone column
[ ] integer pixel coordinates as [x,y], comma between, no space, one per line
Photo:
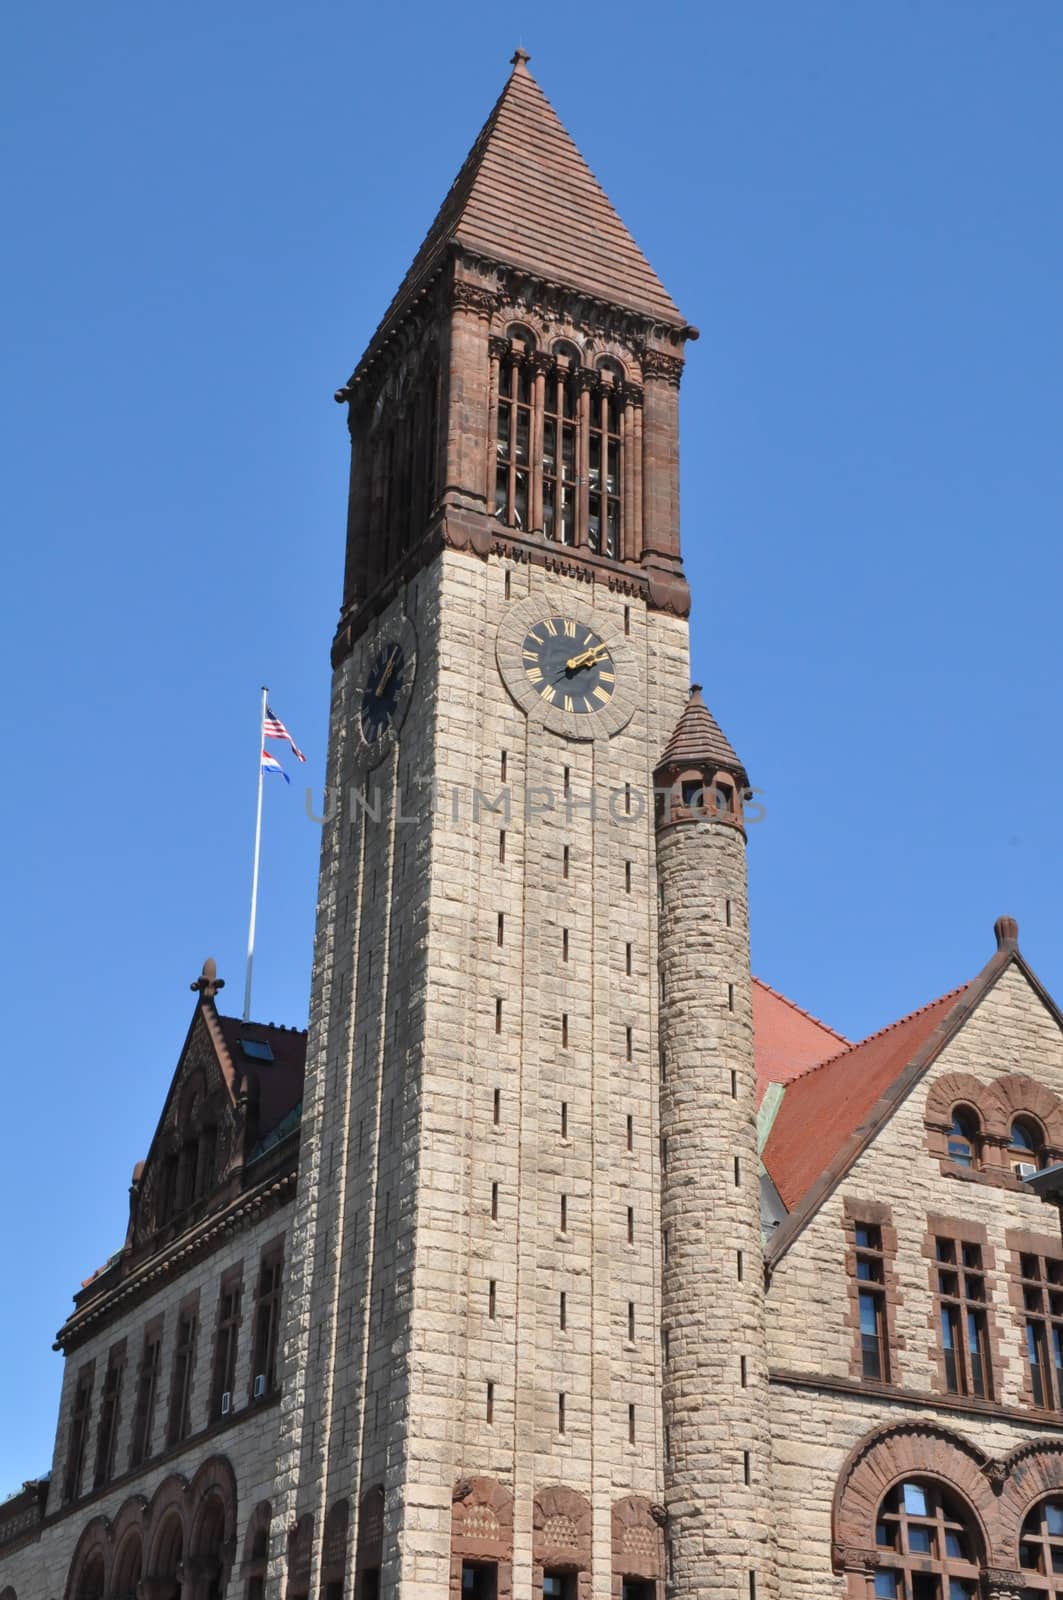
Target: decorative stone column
[1004,1585]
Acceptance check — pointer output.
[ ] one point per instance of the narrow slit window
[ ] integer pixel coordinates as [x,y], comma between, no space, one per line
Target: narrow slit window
[564,1029]
[501,936]
[497,1107]
[501,845]
[628,1042]
[560,1413]
[631,1424]
[494,1202]
[491,1296]
[627,877]
[490,1407]
[631,1321]
[565,861]
[631,1224]
[564,1119]
[564,1213]
[562,1311]
[498,1015]
[630,1131]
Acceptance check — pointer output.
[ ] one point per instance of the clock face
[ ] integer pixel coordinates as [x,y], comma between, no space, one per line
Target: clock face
[383,690]
[568,665]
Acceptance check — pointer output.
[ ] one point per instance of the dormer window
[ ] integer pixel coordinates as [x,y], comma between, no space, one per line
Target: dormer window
[965,1138]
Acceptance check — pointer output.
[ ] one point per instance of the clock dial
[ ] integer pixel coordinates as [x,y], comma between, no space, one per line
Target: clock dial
[568,665]
[383,690]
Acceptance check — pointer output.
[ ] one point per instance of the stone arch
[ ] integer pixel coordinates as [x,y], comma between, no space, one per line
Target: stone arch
[90,1565]
[334,1550]
[481,1529]
[256,1551]
[524,334]
[1029,1474]
[369,1545]
[638,1542]
[909,1450]
[568,350]
[128,1565]
[1018,1095]
[167,1518]
[8,1594]
[127,1539]
[613,367]
[300,1550]
[561,1536]
[951,1092]
[214,1481]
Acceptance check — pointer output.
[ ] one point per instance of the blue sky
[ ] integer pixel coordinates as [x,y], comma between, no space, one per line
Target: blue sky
[208,209]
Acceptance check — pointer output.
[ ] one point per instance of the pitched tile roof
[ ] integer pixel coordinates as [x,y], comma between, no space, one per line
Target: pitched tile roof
[825,1105]
[786,1039]
[526,197]
[699,740]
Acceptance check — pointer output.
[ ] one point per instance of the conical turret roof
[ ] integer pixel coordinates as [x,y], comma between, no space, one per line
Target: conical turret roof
[526,197]
[699,741]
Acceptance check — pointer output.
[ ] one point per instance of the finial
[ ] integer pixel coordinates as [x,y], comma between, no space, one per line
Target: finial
[520,59]
[1007,932]
[208,983]
[695,692]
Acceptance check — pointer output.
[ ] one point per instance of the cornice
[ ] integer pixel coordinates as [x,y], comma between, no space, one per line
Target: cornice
[177,1258]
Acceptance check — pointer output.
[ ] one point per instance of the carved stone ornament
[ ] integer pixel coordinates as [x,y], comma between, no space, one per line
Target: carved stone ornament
[997,1473]
[1004,1585]
[474,297]
[657,364]
[462,1490]
[849,1558]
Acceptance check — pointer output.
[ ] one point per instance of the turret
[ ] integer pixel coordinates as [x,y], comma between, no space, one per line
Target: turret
[716,1410]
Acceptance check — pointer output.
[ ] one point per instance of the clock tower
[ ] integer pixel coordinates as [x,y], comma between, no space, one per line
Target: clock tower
[475,1318]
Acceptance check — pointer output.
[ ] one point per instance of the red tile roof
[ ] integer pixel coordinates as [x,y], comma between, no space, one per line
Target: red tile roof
[526,197]
[786,1039]
[825,1105]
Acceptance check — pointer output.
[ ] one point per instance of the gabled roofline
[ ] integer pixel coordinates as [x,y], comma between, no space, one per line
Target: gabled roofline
[967,1000]
[809,1016]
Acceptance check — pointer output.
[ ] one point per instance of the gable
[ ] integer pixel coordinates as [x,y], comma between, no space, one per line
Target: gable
[833,1114]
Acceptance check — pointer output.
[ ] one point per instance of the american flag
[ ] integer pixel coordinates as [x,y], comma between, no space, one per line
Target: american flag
[274,728]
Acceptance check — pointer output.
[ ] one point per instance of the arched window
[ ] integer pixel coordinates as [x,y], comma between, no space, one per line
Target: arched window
[965,1138]
[89,1584]
[1027,1146]
[1041,1550]
[928,1545]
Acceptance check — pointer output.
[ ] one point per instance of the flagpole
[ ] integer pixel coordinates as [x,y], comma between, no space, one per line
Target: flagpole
[258,852]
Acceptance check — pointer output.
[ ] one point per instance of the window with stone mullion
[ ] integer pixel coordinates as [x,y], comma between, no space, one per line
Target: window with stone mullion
[1042,1296]
[961,1292]
[1041,1551]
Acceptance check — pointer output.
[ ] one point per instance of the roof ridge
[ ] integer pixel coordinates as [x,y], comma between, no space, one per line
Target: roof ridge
[785,998]
[909,1016]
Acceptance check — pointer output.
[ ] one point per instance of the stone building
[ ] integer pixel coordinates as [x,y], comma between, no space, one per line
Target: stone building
[560,1256]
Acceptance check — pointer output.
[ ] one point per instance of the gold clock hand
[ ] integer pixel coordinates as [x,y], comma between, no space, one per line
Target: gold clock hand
[385,676]
[589,658]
